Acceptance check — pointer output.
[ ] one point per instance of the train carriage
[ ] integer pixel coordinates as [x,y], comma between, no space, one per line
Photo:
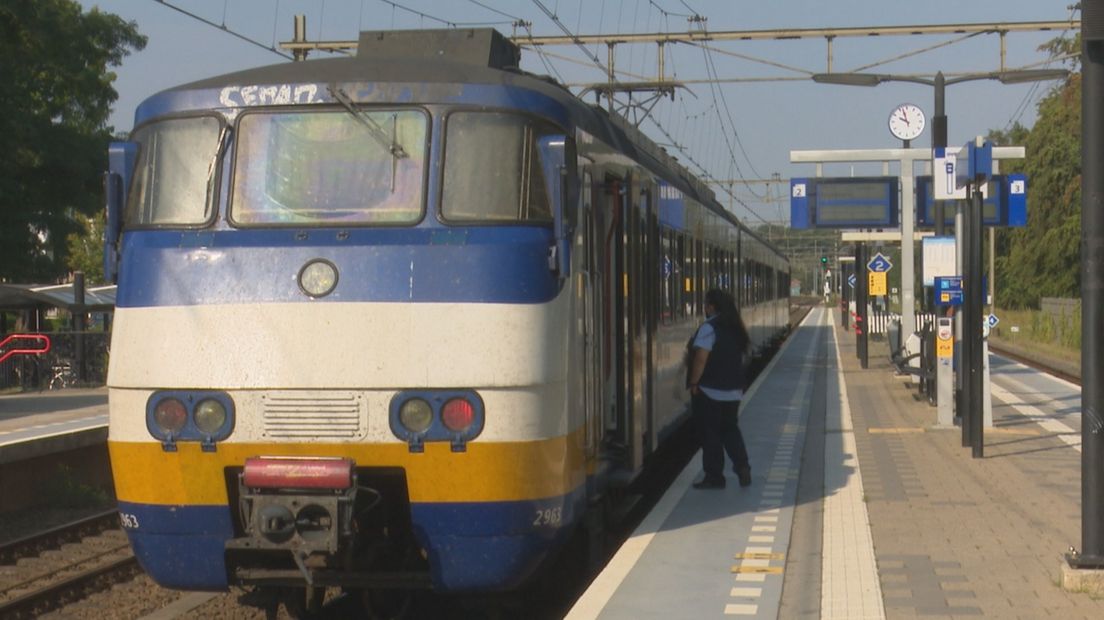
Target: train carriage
[399,319]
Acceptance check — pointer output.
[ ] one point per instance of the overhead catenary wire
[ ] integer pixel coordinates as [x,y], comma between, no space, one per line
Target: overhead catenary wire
[711,69]
[556,20]
[222,27]
[916,52]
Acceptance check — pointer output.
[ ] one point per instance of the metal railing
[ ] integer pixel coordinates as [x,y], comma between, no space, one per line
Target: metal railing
[878,321]
[61,367]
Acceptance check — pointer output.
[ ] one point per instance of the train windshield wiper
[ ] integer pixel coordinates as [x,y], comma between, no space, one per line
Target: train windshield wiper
[386,141]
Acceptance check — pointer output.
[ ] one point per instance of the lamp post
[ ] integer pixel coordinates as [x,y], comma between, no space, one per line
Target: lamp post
[939,139]
[939,84]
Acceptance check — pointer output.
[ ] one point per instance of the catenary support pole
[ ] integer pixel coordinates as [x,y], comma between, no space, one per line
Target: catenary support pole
[972,321]
[939,141]
[1092,285]
[79,361]
[862,328]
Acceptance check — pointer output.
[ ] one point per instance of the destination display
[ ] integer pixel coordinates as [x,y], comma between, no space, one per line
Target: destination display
[849,202]
[990,206]
[1004,202]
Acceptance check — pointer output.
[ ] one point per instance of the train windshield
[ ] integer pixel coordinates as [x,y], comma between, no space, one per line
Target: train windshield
[329,168]
[175,173]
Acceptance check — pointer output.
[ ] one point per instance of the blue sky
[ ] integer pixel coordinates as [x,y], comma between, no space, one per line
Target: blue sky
[764,118]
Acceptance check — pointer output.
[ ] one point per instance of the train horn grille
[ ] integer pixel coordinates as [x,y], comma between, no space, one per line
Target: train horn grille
[322,416]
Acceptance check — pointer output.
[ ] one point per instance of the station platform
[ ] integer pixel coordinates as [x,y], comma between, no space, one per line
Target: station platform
[34,424]
[861,508]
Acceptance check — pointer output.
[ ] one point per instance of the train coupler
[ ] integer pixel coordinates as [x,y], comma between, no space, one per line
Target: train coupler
[301,506]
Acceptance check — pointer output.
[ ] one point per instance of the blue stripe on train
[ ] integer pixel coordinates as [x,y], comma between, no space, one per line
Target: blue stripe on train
[484,264]
[472,546]
[180,546]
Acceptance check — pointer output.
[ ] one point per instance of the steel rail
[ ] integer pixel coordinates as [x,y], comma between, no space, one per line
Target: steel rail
[70,589]
[55,537]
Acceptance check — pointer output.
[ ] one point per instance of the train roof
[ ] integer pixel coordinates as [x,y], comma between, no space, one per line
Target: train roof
[468,56]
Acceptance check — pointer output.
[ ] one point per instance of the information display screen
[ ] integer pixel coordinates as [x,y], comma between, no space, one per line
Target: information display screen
[859,202]
[990,206]
[845,213]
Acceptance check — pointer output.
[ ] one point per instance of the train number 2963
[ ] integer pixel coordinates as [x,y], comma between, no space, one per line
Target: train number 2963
[128,520]
[551,516]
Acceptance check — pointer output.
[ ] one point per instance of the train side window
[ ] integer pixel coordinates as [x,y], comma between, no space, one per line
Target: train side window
[493,170]
[174,173]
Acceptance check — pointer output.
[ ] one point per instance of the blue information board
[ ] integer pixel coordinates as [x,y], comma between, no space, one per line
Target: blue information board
[1005,205]
[846,202]
[975,163]
[948,291]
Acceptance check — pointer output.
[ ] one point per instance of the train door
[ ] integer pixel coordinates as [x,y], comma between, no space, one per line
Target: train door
[650,304]
[613,312]
[738,287]
[587,252]
[633,350]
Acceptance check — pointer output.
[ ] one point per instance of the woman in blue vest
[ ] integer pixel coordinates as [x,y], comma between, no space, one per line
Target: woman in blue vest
[716,384]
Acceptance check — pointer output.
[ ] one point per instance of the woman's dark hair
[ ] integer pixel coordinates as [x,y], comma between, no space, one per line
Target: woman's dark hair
[728,314]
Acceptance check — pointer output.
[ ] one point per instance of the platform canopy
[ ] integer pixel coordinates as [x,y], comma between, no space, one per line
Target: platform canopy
[21,296]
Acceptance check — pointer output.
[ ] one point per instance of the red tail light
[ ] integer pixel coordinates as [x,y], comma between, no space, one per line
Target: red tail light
[298,473]
[170,415]
[457,415]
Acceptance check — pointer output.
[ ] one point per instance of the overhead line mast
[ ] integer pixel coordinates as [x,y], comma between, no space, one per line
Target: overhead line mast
[830,34]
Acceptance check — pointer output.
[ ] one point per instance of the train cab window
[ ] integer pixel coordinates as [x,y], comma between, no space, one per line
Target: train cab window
[174,176]
[330,168]
[493,169]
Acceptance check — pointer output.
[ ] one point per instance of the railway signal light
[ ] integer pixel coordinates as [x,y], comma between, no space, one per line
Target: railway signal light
[824,262]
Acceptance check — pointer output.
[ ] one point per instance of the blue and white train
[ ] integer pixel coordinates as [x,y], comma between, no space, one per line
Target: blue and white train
[398,319]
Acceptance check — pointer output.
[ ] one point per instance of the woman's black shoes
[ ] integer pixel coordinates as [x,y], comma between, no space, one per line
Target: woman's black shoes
[744,474]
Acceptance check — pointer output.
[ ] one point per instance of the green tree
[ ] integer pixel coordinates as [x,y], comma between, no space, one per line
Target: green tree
[86,247]
[1043,259]
[56,93]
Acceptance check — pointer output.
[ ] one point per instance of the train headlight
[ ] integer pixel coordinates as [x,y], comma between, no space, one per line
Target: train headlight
[416,415]
[318,278]
[457,415]
[210,416]
[202,416]
[170,416]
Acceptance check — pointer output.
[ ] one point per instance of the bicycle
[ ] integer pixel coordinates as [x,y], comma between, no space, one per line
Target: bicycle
[61,377]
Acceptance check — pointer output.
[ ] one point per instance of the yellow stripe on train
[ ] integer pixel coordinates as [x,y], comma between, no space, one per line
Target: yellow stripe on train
[144,473]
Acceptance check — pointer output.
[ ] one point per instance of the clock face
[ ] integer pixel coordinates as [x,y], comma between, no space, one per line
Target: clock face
[906,121]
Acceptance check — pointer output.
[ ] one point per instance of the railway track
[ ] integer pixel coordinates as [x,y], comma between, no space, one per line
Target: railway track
[1036,363]
[63,565]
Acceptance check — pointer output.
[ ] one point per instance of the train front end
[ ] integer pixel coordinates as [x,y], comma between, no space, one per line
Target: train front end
[339,353]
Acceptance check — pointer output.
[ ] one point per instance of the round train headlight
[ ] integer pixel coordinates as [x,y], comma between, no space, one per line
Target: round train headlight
[457,415]
[210,415]
[416,415]
[170,416]
[318,278]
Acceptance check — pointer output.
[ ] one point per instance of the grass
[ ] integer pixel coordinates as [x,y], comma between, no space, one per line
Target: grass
[1045,334]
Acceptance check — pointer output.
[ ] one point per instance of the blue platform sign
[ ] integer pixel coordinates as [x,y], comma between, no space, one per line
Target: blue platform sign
[1016,199]
[851,281]
[844,202]
[992,321]
[879,264]
[948,291]
[1005,202]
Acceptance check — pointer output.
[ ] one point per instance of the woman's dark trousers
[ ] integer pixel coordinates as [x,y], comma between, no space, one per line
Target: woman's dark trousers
[718,432]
